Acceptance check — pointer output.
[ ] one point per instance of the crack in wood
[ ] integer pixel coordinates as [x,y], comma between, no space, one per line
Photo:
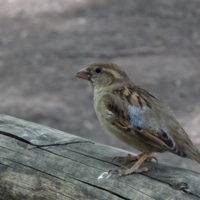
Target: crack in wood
[67,157]
[179,186]
[78,152]
[15,137]
[38,146]
[58,144]
[101,188]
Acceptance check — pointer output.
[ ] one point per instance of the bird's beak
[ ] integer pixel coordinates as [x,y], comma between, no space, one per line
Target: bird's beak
[84,74]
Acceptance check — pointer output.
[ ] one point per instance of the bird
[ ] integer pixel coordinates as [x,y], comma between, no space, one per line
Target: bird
[135,116]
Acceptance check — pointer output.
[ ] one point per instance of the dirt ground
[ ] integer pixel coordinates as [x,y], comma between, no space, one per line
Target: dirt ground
[43,44]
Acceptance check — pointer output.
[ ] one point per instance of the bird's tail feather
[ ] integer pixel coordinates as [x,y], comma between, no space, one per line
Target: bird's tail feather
[194,155]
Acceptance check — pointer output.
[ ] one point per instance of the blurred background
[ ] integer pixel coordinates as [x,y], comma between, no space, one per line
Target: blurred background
[44,43]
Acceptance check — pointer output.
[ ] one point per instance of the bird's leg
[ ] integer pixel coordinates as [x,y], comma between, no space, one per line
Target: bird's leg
[135,168]
[131,158]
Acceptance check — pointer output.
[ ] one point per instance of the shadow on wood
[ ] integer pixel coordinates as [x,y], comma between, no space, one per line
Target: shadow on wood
[37,162]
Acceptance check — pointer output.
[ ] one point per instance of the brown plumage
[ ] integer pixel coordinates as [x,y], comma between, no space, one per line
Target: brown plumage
[135,116]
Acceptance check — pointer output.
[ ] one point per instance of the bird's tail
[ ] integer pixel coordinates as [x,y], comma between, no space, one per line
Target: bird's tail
[194,155]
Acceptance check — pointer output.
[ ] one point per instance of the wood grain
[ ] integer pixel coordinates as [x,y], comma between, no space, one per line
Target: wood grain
[38,162]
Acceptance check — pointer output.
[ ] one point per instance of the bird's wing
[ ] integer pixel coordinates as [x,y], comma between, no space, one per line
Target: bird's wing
[135,110]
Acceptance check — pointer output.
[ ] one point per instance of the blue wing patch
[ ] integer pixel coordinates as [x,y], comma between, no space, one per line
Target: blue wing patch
[134,113]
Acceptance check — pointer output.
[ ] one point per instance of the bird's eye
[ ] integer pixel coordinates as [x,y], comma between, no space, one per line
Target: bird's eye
[98,70]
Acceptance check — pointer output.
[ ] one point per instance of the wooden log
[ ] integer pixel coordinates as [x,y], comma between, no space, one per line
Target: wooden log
[37,162]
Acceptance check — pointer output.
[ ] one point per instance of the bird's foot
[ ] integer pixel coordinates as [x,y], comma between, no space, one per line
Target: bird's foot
[135,168]
[131,158]
[124,171]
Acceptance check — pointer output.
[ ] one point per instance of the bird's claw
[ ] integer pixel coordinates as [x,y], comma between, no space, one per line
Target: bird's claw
[124,171]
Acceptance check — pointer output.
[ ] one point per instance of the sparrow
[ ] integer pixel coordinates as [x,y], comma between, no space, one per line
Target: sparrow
[135,116]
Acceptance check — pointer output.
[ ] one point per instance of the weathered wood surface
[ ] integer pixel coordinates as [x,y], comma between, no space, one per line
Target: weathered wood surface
[37,162]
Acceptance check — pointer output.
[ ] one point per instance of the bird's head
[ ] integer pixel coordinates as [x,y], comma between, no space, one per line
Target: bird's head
[102,74]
